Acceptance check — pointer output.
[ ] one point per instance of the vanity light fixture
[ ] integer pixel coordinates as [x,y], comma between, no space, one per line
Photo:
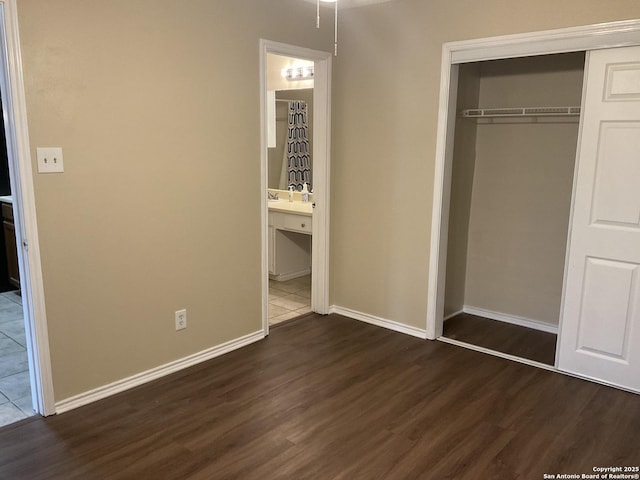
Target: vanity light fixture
[298,73]
[335,21]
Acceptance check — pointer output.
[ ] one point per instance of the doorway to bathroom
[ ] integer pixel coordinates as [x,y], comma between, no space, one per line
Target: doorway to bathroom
[289,174]
[25,370]
[295,112]
[15,382]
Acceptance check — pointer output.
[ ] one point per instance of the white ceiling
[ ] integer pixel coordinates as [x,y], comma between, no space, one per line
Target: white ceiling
[351,3]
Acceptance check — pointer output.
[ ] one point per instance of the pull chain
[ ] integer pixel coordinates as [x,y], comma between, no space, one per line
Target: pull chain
[335,28]
[335,25]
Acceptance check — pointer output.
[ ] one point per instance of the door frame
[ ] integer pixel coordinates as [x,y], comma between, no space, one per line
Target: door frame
[24,208]
[572,39]
[321,172]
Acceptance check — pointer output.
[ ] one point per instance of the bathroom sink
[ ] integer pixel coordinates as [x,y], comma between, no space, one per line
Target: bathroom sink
[284,205]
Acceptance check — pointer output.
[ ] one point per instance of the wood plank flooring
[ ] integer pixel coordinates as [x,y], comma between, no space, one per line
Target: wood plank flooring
[502,337]
[333,398]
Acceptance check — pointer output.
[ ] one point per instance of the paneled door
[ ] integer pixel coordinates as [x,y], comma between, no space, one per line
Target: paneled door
[600,325]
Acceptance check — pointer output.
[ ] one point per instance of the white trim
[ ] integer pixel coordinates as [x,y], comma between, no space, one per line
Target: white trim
[155,373]
[18,149]
[513,319]
[321,173]
[380,322]
[441,194]
[572,39]
[321,179]
[532,363]
[604,35]
[264,206]
[496,353]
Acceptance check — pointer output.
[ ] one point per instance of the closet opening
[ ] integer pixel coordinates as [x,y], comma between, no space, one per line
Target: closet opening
[512,174]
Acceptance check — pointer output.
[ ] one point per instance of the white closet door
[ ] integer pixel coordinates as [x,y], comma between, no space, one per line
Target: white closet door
[600,326]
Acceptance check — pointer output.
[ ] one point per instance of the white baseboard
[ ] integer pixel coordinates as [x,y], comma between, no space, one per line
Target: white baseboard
[155,373]
[451,315]
[504,317]
[380,322]
[283,277]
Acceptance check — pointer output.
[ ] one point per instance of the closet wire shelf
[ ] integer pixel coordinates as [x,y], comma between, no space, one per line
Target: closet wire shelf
[521,112]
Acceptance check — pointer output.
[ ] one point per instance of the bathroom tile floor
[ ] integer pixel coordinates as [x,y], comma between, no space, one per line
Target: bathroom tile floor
[15,386]
[289,299]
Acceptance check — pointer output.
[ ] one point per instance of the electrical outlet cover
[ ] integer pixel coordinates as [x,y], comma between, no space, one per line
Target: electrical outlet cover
[181,319]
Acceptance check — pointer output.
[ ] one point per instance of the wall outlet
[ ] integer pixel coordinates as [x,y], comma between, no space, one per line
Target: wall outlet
[181,319]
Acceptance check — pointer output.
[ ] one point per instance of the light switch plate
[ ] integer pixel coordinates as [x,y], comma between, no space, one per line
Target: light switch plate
[50,160]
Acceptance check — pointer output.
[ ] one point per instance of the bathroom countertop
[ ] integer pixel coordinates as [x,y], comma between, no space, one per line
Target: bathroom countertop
[6,199]
[299,208]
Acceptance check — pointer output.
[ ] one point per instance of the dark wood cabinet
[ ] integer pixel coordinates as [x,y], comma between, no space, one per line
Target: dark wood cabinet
[10,244]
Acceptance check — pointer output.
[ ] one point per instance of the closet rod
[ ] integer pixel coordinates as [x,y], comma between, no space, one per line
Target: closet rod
[521,112]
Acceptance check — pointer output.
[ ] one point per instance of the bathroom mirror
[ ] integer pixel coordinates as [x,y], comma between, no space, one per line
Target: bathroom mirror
[290,136]
[293,122]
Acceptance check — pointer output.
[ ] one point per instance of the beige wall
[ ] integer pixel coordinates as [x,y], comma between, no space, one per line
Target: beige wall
[156,105]
[384,135]
[522,190]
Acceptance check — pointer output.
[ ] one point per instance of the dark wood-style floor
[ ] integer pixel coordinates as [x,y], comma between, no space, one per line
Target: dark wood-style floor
[332,398]
[502,337]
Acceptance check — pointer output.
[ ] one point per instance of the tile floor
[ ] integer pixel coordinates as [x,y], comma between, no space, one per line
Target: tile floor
[289,299]
[15,387]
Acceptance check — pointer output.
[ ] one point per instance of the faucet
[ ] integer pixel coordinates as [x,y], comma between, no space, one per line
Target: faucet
[272,196]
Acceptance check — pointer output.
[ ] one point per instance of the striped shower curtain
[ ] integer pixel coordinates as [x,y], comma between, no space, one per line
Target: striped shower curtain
[296,164]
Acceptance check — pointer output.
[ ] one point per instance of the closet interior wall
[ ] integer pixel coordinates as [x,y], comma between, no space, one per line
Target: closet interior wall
[511,188]
[463,165]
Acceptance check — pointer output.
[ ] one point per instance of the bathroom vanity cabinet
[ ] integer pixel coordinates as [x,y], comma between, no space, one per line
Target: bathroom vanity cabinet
[289,243]
[10,244]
